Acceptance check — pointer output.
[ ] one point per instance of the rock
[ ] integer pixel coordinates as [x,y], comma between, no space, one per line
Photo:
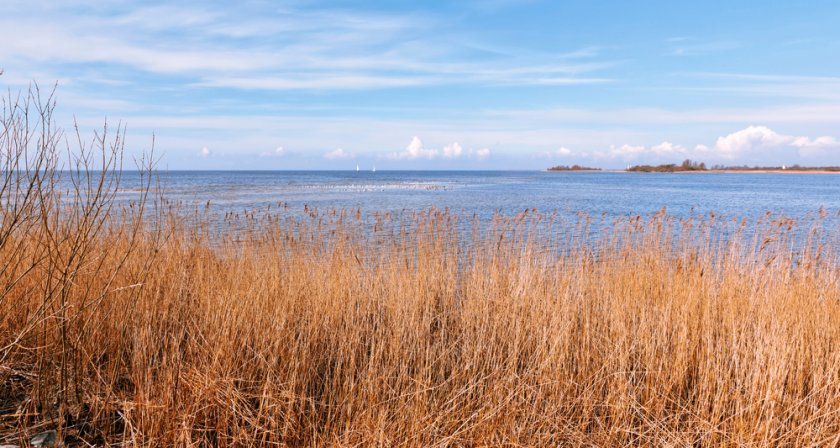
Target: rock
[43,439]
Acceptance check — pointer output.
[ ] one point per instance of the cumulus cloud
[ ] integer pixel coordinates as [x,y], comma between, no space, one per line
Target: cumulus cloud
[667,149]
[817,146]
[819,142]
[559,152]
[664,149]
[452,151]
[750,142]
[563,151]
[337,153]
[481,153]
[205,152]
[626,151]
[415,150]
[756,139]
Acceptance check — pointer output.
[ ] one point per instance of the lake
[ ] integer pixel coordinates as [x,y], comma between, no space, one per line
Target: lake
[610,194]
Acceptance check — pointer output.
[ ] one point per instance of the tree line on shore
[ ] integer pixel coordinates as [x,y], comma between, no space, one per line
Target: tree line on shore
[691,165]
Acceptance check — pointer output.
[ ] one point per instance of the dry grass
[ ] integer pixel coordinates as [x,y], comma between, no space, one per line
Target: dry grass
[305,333]
[414,329]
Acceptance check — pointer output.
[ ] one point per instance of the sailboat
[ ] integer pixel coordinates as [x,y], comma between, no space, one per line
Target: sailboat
[374,168]
[357,167]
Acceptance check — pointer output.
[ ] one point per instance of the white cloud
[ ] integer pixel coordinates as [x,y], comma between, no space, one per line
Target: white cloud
[667,149]
[748,140]
[317,82]
[562,81]
[756,139]
[745,143]
[268,47]
[557,153]
[817,143]
[452,151]
[337,153]
[626,151]
[205,152]
[481,153]
[415,150]
[631,152]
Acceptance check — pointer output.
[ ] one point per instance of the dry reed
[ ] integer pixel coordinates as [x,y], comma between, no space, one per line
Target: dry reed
[405,329]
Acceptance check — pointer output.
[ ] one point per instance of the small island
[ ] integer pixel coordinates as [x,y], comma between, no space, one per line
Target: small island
[572,168]
[687,165]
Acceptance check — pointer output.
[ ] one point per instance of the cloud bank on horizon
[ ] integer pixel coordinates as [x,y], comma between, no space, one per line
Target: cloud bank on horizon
[513,84]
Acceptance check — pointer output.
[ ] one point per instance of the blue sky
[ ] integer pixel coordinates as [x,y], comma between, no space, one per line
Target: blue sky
[494,84]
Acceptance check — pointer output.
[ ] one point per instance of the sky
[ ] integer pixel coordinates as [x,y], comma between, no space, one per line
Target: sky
[493,84]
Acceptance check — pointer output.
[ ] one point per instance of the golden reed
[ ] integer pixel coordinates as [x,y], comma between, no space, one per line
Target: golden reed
[133,325]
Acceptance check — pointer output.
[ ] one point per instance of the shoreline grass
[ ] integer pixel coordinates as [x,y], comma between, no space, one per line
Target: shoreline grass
[299,332]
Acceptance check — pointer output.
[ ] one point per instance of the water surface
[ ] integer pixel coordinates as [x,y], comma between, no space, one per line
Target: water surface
[611,194]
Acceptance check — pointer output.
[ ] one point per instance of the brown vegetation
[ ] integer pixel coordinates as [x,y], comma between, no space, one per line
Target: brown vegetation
[120,325]
[789,168]
[572,168]
[687,165]
[692,166]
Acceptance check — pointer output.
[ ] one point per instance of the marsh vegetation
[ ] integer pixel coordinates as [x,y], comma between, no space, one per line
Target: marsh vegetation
[137,325]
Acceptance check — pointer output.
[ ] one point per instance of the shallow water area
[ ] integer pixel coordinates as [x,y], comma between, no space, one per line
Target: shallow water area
[611,194]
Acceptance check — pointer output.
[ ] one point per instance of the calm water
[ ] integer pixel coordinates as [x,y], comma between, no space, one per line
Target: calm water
[484,193]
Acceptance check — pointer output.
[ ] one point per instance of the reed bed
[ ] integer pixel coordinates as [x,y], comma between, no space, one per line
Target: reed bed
[335,329]
[132,325]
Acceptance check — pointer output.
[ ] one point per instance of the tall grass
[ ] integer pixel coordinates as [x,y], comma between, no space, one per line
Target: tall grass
[411,329]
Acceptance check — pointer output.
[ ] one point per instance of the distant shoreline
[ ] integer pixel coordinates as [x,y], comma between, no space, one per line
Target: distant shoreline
[788,171]
[592,170]
[747,171]
[693,166]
